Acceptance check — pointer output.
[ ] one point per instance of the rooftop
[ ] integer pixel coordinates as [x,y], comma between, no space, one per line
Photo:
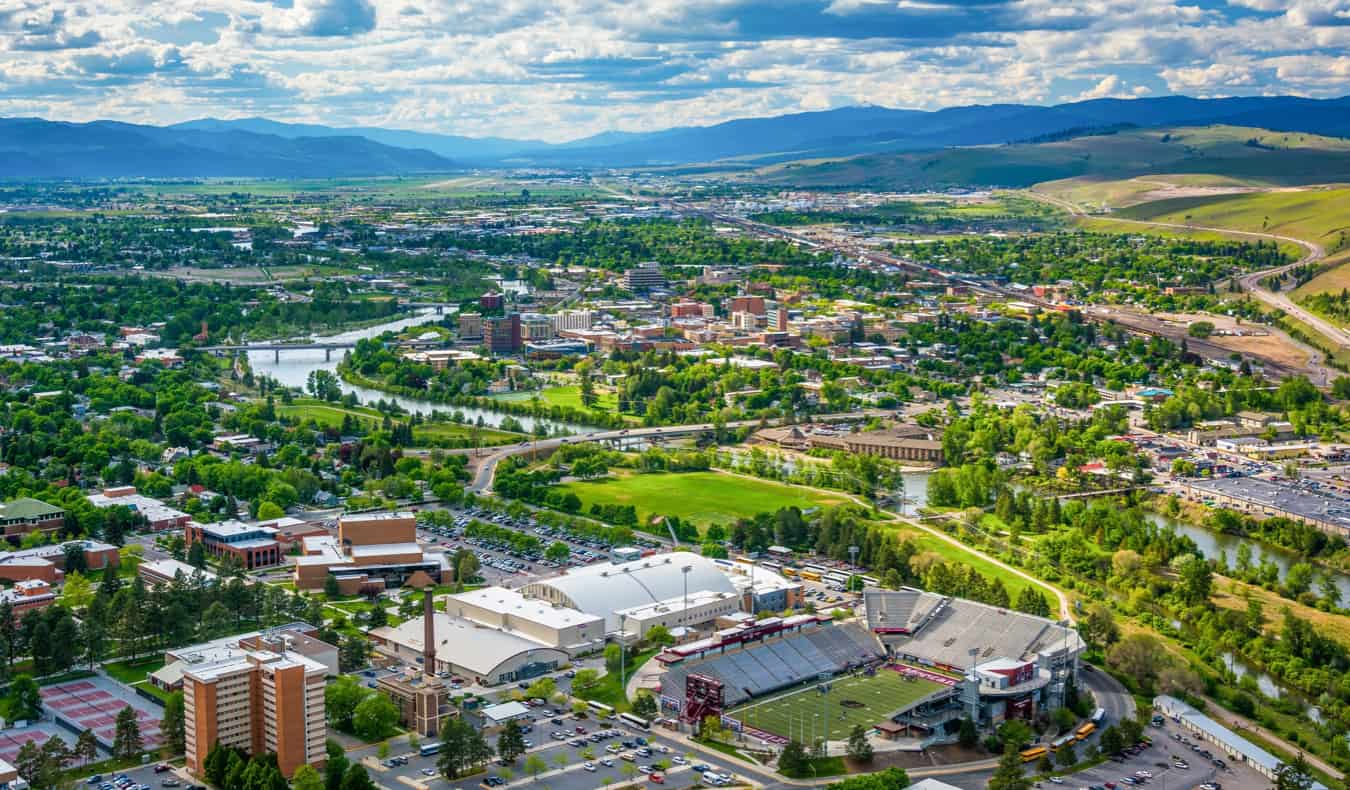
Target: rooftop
[504,601]
[478,649]
[27,508]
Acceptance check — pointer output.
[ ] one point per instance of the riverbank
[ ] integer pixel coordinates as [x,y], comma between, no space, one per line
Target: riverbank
[540,411]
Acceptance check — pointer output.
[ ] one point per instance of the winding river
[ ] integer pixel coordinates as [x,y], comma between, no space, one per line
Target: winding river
[294,368]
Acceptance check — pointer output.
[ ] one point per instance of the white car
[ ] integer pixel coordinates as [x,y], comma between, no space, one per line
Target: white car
[605,761]
[589,767]
[678,760]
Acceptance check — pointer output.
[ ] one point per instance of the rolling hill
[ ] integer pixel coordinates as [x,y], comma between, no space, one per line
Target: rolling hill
[1235,152]
[456,147]
[36,148]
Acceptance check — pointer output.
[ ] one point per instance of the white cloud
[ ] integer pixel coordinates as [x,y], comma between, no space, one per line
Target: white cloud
[567,68]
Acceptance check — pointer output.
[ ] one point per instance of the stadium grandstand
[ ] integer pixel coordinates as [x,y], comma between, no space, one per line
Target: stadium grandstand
[1013,662]
[769,655]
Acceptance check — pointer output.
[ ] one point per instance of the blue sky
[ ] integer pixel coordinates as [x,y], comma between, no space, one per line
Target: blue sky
[561,69]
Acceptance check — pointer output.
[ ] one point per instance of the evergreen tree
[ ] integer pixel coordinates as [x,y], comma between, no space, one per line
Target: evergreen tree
[173,724]
[511,742]
[126,734]
[859,748]
[1008,775]
[86,746]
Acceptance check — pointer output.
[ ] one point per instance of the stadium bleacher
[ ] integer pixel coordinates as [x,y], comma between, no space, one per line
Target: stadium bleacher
[778,662]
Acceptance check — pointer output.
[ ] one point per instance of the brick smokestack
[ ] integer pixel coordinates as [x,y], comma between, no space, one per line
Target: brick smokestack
[428,633]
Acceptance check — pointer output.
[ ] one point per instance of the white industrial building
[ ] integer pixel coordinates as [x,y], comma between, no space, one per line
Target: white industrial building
[700,607]
[483,654]
[551,625]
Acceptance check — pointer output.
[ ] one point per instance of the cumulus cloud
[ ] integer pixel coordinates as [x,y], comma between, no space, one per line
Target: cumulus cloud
[567,68]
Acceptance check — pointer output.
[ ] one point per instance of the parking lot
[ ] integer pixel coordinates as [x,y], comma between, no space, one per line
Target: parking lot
[566,760]
[1157,761]
[500,563]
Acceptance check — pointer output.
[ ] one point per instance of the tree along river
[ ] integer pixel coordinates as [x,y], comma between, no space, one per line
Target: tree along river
[294,368]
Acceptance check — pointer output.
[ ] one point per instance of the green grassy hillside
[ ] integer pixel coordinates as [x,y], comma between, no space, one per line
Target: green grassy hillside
[1321,216]
[1270,158]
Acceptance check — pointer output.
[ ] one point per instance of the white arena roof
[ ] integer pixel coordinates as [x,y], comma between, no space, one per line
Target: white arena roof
[608,588]
[478,649]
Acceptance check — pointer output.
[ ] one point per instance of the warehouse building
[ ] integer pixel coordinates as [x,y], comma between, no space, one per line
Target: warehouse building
[487,656]
[1236,748]
[566,629]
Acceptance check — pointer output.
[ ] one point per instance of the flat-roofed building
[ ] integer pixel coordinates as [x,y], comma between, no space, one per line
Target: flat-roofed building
[535,326]
[570,320]
[253,545]
[268,700]
[48,563]
[158,516]
[470,326]
[27,596]
[562,627]
[372,552]
[166,570]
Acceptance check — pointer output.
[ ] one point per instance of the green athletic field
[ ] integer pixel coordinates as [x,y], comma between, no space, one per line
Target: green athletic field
[881,697]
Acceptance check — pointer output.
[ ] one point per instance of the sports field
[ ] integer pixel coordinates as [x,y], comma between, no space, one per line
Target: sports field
[701,497]
[854,700]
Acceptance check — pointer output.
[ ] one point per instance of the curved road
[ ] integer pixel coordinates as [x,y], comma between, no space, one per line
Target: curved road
[1249,282]
[482,480]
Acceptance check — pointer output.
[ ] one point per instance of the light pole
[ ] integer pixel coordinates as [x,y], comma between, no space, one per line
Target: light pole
[622,649]
[684,613]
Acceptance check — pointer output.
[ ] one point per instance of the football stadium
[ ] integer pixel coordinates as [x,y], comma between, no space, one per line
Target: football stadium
[917,665]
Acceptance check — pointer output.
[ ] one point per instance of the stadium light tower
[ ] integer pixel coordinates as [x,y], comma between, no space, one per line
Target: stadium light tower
[622,649]
[684,613]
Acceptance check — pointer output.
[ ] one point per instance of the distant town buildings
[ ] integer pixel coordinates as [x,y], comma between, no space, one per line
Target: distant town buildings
[644,277]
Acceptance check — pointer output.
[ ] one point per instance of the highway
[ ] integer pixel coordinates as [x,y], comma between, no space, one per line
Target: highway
[1249,282]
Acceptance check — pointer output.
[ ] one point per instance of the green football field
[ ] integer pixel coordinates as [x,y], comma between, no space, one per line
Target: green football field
[871,700]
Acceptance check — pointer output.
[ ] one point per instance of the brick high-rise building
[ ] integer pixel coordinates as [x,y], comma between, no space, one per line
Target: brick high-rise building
[746,304]
[269,699]
[502,335]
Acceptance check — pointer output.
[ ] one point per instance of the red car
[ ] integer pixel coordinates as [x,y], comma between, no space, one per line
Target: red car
[657,779]
[581,730]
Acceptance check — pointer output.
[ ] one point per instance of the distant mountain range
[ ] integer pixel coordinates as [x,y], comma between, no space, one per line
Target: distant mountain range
[35,148]
[261,147]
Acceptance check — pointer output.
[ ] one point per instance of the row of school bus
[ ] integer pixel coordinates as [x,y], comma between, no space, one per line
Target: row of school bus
[1084,730]
[815,573]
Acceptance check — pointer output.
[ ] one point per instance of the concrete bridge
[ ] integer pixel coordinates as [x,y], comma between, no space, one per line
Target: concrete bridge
[327,347]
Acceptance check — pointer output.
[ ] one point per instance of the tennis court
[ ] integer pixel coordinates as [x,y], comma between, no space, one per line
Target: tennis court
[93,704]
[11,741]
[859,699]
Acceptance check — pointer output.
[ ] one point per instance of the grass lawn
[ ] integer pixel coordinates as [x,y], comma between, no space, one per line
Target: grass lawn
[565,395]
[877,698]
[331,415]
[132,672]
[962,556]
[701,497]
[610,690]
